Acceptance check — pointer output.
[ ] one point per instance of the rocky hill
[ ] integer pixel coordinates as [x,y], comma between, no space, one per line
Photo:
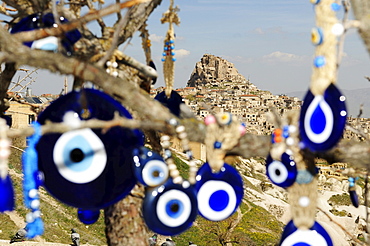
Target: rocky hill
[212,70]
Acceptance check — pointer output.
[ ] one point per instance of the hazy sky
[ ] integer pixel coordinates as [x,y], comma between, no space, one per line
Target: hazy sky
[268,41]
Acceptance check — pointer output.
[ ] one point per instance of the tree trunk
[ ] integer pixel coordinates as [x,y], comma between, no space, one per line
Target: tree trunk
[124,221]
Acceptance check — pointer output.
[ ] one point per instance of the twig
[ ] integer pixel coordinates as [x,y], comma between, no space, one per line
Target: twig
[342,227]
[340,46]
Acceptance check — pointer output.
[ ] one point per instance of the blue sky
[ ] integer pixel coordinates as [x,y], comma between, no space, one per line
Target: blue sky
[268,41]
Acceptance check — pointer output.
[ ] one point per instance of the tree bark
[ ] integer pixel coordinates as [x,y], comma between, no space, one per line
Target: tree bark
[124,222]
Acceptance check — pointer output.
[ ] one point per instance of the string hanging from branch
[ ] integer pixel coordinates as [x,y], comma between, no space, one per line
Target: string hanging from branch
[171,17]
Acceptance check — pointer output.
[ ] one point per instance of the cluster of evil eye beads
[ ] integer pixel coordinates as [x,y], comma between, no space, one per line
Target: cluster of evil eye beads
[171,204]
[168,50]
[89,170]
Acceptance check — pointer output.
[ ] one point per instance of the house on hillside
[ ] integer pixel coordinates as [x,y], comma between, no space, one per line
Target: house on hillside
[22,114]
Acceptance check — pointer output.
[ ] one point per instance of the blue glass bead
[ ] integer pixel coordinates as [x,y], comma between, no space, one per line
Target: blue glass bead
[170,209]
[88,217]
[322,119]
[217,145]
[149,167]
[285,131]
[173,53]
[164,54]
[7,201]
[173,103]
[219,194]
[335,7]
[319,61]
[172,41]
[165,48]
[317,37]
[281,173]
[173,59]
[167,43]
[163,59]
[37,21]
[316,235]
[85,168]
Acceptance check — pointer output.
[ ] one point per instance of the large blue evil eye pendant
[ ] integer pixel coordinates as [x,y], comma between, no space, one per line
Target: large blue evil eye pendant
[149,167]
[171,208]
[37,21]
[219,194]
[7,201]
[85,168]
[315,236]
[281,173]
[322,119]
[172,103]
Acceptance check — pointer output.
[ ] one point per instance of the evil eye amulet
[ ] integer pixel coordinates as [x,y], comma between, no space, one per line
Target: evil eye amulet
[322,119]
[281,173]
[219,194]
[85,168]
[170,209]
[315,236]
[149,167]
[172,103]
[37,21]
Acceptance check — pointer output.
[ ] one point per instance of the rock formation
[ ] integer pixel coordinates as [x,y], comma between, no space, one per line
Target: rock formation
[212,70]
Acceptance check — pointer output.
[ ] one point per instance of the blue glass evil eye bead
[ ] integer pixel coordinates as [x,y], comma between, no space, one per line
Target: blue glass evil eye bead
[170,209]
[281,173]
[173,103]
[322,119]
[317,36]
[7,201]
[149,167]
[219,194]
[315,236]
[85,168]
[87,216]
[37,21]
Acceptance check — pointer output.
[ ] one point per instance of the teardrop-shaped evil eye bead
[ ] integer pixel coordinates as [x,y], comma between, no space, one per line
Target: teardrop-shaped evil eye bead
[282,173]
[7,201]
[219,194]
[315,236]
[172,103]
[149,167]
[85,168]
[88,217]
[317,36]
[322,119]
[171,208]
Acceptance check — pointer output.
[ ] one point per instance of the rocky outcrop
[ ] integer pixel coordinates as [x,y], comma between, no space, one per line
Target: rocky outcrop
[212,70]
